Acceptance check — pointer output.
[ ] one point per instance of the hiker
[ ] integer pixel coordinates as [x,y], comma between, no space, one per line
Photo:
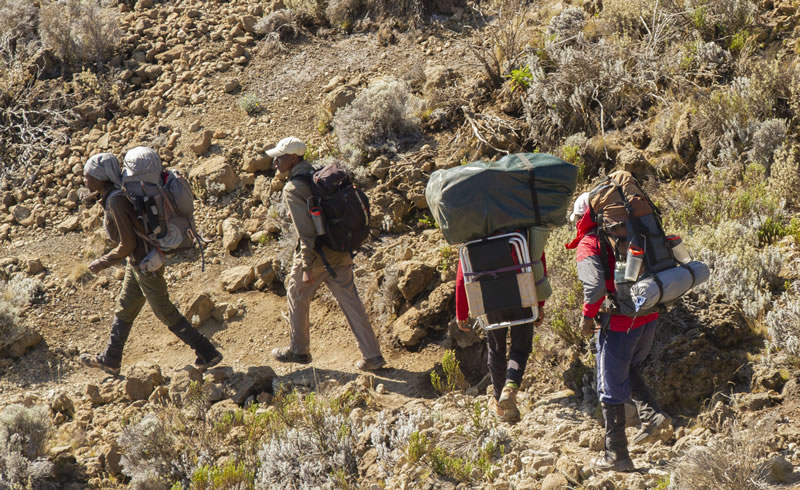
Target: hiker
[505,373]
[623,343]
[102,175]
[311,268]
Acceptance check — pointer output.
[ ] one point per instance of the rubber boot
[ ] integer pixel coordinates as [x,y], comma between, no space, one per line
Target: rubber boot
[112,357]
[615,457]
[184,330]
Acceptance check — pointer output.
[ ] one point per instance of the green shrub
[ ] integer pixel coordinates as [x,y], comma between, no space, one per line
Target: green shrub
[453,377]
[230,475]
[451,467]
[417,446]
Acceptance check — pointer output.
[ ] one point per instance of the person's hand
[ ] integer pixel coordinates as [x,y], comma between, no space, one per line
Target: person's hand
[306,277]
[540,318]
[463,326]
[95,267]
[587,326]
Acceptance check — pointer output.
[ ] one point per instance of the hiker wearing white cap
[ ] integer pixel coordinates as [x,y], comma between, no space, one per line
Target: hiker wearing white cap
[309,271]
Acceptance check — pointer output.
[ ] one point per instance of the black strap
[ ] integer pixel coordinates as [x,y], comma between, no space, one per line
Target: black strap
[325,262]
[691,272]
[660,287]
[534,197]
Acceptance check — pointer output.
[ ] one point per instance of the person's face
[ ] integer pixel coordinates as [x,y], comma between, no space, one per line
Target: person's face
[284,163]
[94,185]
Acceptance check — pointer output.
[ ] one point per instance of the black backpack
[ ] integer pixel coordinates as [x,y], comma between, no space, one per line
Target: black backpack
[344,210]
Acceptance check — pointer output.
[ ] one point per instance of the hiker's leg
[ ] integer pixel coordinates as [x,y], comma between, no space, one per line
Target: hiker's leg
[646,404]
[614,355]
[116,342]
[615,456]
[155,290]
[521,346]
[496,359]
[343,288]
[131,299]
[299,296]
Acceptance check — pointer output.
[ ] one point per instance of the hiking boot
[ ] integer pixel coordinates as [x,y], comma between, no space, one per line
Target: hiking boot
[494,408]
[96,361]
[610,462]
[202,365]
[616,456]
[654,431]
[508,402]
[371,364]
[285,354]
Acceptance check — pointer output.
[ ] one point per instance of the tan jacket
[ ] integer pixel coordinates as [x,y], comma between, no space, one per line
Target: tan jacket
[120,222]
[295,195]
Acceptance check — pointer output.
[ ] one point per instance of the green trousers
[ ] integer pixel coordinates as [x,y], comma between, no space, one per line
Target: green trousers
[138,287]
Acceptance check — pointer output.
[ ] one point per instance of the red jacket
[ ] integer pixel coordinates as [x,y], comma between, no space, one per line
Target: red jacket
[592,275]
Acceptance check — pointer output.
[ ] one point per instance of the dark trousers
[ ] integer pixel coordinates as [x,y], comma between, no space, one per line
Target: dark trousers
[619,357]
[501,370]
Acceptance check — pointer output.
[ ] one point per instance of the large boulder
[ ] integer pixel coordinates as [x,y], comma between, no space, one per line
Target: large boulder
[232,233]
[141,379]
[414,277]
[215,176]
[236,278]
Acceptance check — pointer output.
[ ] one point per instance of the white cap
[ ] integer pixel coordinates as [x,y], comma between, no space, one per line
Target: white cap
[288,146]
[580,207]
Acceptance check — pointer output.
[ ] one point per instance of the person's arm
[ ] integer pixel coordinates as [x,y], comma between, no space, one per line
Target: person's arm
[462,307]
[590,273]
[295,200]
[125,231]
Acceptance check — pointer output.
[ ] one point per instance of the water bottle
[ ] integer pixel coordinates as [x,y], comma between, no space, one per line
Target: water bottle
[619,272]
[634,263]
[316,218]
[679,250]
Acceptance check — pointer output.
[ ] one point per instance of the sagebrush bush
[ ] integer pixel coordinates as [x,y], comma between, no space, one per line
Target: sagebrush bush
[783,322]
[343,14]
[311,456]
[736,461]
[588,87]
[280,22]
[18,19]
[23,291]
[23,434]
[9,321]
[743,274]
[150,452]
[390,437]
[784,179]
[717,20]
[566,25]
[767,138]
[382,118]
[79,31]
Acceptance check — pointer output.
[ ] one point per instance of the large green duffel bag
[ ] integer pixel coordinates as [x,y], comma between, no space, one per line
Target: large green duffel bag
[518,191]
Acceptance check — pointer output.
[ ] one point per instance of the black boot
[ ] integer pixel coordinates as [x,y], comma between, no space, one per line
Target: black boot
[655,424]
[207,354]
[616,457]
[120,330]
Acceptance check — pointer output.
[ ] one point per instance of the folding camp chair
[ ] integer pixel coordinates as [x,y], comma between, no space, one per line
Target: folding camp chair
[495,281]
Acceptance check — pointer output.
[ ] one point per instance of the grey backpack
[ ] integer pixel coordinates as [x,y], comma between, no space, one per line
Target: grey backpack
[163,200]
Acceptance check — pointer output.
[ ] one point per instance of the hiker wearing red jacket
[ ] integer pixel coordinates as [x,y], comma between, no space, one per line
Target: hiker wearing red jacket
[623,343]
[506,374]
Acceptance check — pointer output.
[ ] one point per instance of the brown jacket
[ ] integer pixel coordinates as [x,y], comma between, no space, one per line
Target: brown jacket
[121,223]
[295,195]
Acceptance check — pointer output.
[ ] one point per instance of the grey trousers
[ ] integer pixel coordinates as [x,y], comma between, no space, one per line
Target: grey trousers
[344,290]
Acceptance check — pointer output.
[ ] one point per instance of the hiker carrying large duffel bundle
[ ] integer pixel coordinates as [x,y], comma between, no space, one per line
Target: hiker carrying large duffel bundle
[502,211]
[518,191]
